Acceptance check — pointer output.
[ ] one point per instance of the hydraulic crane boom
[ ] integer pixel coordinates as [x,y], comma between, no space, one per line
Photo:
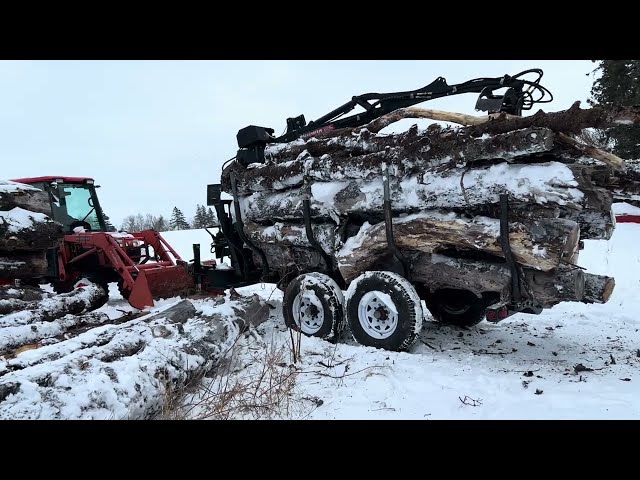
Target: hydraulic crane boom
[519,96]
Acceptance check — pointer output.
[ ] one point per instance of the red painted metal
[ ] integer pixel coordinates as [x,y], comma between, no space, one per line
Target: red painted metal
[628,218]
[143,276]
[166,277]
[46,179]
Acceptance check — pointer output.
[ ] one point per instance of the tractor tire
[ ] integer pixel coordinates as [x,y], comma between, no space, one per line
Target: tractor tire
[123,291]
[460,308]
[384,311]
[314,305]
[62,287]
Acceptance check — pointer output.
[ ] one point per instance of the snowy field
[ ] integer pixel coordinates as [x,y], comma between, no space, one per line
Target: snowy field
[574,361]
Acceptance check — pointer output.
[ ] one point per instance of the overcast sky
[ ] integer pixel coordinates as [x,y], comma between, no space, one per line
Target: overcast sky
[154,133]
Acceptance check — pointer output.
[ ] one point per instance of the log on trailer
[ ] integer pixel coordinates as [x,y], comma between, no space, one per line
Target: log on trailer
[542,245]
[564,284]
[598,288]
[548,189]
[363,156]
[356,152]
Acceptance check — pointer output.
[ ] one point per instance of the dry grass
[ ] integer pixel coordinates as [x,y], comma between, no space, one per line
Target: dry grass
[253,380]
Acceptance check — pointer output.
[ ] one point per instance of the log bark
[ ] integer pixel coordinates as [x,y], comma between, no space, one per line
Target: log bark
[564,284]
[139,363]
[20,335]
[25,230]
[288,260]
[572,120]
[545,187]
[23,265]
[429,114]
[543,245]
[76,302]
[598,288]
[26,197]
[25,292]
[624,184]
[607,158]
[363,157]
[287,234]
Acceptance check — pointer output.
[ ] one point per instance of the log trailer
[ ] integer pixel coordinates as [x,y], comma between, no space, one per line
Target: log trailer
[382,308]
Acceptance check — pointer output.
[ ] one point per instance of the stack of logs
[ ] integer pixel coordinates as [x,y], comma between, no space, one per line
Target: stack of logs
[26,232]
[445,185]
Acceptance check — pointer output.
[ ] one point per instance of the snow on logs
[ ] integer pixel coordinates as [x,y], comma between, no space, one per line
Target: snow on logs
[445,186]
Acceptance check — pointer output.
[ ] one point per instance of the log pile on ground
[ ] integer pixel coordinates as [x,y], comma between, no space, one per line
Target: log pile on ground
[88,366]
[26,232]
[445,185]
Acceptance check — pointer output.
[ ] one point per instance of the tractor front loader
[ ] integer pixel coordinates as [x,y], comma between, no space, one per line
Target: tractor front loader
[143,264]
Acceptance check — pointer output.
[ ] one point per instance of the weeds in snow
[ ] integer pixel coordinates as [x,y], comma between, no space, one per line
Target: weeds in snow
[251,383]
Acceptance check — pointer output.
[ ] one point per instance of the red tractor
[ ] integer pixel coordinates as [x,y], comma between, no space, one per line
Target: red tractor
[143,264]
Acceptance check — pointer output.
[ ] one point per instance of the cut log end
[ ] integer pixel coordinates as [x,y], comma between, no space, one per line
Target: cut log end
[598,288]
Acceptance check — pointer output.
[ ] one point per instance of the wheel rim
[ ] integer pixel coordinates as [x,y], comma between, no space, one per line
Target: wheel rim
[378,314]
[308,312]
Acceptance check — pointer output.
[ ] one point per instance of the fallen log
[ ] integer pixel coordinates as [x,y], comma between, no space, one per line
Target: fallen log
[598,288]
[76,302]
[17,336]
[138,364]
[564,284]
[25,230]
[26,293]
[23,196]
[23,265]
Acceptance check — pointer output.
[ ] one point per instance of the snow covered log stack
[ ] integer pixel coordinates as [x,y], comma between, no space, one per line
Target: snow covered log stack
[445,186]
[26,232]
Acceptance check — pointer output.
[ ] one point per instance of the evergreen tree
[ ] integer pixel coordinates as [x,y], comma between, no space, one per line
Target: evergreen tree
[177,221]
[211,219]
[619,84]
[200,220]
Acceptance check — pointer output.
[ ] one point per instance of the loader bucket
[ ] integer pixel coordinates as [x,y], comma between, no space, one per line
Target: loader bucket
[161,282]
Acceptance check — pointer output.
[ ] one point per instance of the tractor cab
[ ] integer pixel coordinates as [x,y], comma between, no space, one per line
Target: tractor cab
[74,202]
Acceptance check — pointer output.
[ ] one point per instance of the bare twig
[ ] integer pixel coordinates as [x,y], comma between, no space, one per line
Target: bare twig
[470,401]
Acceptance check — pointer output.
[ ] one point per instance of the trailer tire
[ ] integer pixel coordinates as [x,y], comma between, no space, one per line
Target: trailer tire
[460,308]
[314,305]
[384,311]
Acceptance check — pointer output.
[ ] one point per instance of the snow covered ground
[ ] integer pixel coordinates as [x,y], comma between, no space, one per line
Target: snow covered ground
[573,361]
